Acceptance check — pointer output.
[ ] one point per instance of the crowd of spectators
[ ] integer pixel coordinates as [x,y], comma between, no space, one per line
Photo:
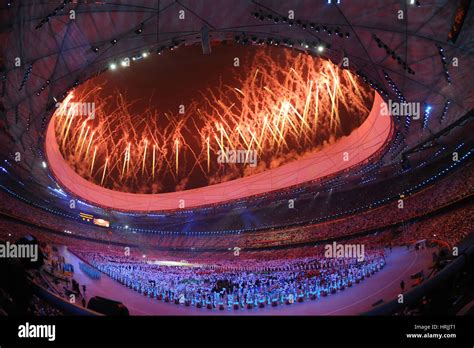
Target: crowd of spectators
[36,306]
[316,205]
[450,189]
[42,308]
[450,227]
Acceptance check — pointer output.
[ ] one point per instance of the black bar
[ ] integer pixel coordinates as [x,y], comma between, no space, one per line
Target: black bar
[238,330]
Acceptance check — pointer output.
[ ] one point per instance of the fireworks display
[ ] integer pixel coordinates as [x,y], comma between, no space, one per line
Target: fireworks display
[281,109]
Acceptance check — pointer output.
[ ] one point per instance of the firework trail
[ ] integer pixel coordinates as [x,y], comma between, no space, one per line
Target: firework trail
[288,104]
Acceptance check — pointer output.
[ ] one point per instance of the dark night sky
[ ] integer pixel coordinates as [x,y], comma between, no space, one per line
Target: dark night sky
[176,77]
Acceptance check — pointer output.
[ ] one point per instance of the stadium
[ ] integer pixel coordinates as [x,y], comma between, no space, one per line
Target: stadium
[236,158]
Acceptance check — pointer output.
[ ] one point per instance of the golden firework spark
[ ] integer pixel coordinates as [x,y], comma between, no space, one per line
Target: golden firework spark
[282,105]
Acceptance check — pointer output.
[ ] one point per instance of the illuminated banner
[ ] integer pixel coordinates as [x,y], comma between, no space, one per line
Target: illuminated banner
[101,222]
[86,217]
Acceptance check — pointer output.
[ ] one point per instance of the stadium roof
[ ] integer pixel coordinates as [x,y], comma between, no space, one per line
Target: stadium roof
[408,52]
